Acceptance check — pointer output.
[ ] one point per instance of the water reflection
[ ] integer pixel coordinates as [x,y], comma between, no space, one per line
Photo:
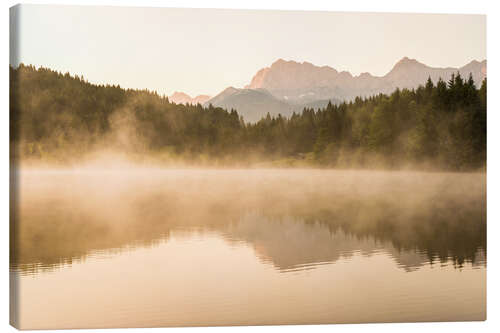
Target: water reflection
[294,220]
[292,245]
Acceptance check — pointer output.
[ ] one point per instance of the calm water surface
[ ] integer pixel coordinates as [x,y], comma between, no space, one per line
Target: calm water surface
[141,248]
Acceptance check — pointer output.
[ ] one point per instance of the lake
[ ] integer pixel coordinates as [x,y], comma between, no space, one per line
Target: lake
[124,247]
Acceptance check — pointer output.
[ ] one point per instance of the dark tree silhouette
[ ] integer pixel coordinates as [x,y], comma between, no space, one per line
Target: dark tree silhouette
[57,116]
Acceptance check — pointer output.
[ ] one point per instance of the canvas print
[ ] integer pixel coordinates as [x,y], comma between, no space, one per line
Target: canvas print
[213,167]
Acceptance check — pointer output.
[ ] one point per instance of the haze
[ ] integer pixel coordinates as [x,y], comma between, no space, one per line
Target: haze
[203,51]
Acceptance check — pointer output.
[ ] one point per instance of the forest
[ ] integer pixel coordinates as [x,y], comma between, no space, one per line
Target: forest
[60,118]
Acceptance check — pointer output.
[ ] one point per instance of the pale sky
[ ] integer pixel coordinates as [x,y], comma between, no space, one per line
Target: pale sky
[203,51]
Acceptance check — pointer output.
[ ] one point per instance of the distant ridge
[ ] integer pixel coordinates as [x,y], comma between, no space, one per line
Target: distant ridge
[291,80]
[183,98]
[289,86]
[252,104]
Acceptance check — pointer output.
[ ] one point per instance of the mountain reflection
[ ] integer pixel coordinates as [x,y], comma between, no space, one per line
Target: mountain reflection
[290,244]
[293,219]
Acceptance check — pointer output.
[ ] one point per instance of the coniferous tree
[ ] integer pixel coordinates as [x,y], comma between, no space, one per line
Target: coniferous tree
[56,116]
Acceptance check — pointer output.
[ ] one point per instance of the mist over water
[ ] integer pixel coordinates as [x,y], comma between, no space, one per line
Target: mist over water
[66,214]
[290,227]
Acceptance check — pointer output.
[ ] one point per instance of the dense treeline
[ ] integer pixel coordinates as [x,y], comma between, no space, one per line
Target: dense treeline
[57,116]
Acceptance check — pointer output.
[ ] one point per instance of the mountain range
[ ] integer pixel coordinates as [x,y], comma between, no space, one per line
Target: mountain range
[293,81]
[253,104]
[183,98]
[289,86]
